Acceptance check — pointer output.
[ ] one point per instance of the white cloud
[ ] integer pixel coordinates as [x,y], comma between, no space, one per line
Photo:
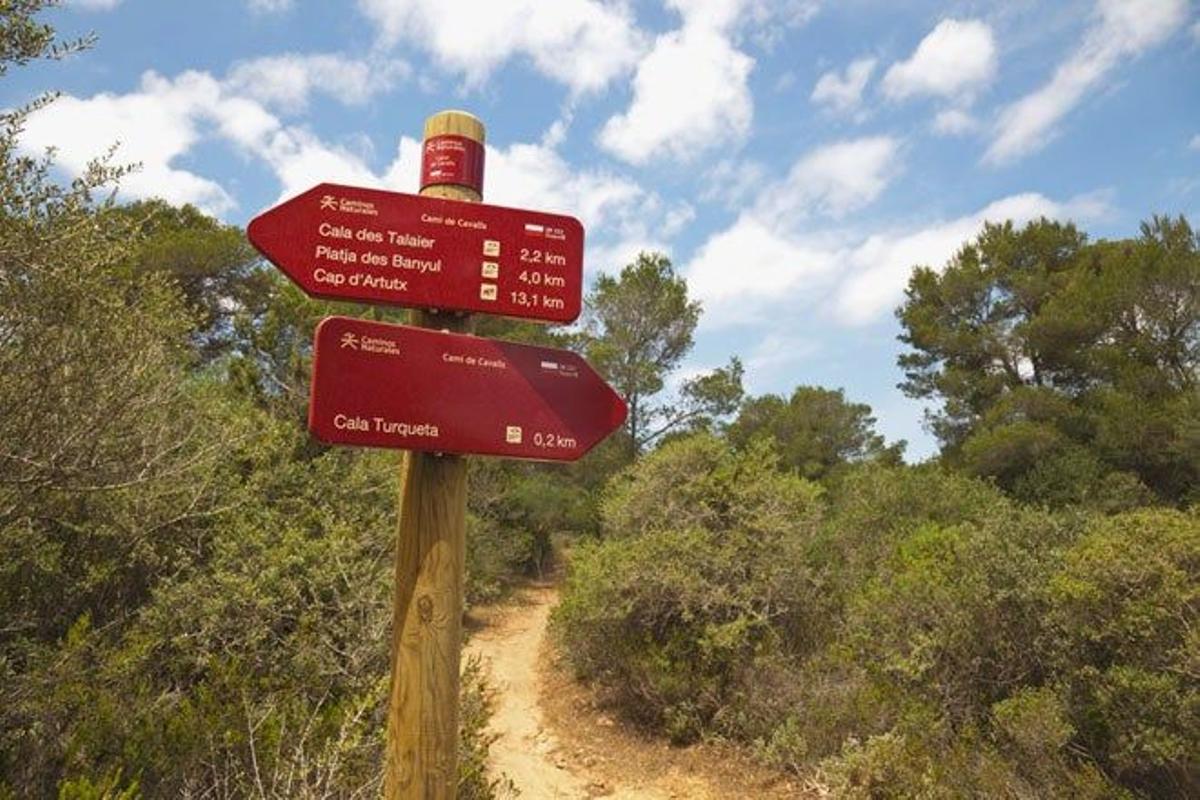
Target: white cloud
[269,6]
[955,59]
[750,266]
[1121,29]
[712,14]
[299,160]
[96,5]
[691,91]
[755,270]
[772,17]
[556,134]
[832,180]
[764,256]
[286,81]
[732,181]
[157,125]
[1194,144]
[154,126]
[842,93]
[690,94]
[1196,31]
[954,122]
[756,15]
[243,122]
[753,14]
[778,350]
[583,44]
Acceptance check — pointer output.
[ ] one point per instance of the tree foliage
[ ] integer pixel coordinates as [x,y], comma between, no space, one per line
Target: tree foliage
[24,38]
[638,328]
[1061,364]
[224,283]
[815,430]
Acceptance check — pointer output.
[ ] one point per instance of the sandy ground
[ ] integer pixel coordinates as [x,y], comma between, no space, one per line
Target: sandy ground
[555,741]
[508,641]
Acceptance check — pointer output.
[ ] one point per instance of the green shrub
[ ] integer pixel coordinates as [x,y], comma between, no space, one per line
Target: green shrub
[1124,627]
[873,508]
[267,658]
[496,557]
[888,766]
[1033,723]
[1033,731]
[663,623]
[930,762]
[954,616]
[475,701]
[516,512]
[1051,635]
[701,483]
[669,620]
[110,787]
[796,711]
[926,637]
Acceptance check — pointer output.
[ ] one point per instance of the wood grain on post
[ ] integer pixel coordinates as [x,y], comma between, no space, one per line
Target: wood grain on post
[422,734]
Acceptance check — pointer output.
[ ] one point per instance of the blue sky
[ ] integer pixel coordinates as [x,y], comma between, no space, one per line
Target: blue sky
[795,158]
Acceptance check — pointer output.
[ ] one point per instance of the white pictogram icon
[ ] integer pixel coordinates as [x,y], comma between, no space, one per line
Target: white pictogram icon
[349,340]
[491,247]
[487,291]
[328,202]
[491,270]
[512,434]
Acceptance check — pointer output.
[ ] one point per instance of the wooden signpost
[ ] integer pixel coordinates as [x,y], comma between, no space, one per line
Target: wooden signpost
[438,393]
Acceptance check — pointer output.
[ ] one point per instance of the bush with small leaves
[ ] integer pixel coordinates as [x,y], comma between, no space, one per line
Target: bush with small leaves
[695,583]
[1123,625]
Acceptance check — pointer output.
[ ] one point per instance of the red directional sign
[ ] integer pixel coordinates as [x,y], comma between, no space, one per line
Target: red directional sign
[381,385]
[370,246]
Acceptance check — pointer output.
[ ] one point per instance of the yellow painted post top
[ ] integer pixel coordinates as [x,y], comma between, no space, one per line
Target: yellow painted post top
[455,123]
[461,124]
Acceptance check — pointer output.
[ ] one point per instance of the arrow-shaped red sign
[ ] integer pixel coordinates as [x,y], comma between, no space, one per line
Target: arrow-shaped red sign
[371,246]
[380,385]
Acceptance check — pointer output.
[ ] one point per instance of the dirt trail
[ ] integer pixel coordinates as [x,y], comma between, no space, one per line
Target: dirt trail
[554,743]
[525,751]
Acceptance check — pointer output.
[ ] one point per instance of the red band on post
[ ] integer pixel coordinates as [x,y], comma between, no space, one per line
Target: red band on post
[450,159]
